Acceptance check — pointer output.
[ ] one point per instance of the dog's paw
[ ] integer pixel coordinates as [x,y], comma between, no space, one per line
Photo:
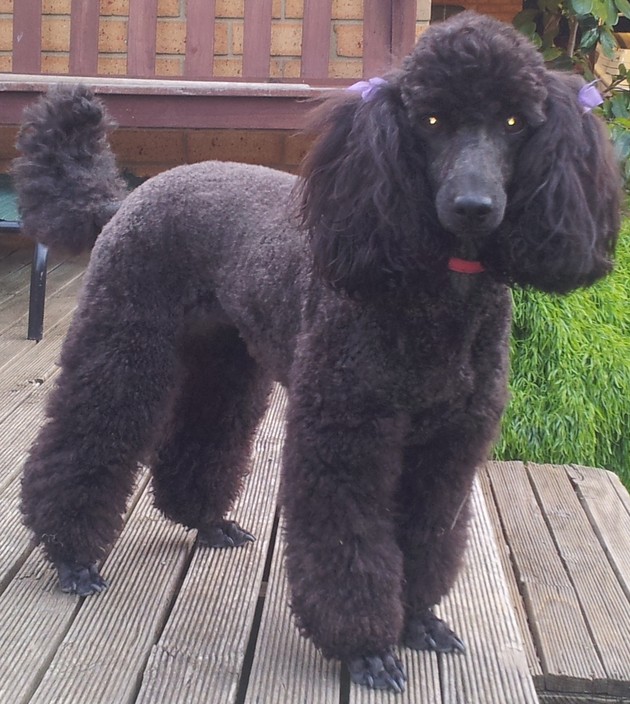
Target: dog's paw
[384,671]
[428,632]
[224,534]
[82,581]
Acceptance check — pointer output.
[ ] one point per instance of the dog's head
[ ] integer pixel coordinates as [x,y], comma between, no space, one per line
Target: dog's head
[473,150]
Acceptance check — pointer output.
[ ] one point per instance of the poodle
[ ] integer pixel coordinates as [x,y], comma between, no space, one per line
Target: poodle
[375,286]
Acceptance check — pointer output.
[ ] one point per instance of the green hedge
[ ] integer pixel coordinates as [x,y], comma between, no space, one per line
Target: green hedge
[570,379]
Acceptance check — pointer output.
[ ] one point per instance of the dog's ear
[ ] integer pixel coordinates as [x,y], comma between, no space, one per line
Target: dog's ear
[563,214]
[363,192]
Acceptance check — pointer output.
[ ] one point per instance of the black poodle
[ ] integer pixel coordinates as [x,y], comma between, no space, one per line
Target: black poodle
[375,288]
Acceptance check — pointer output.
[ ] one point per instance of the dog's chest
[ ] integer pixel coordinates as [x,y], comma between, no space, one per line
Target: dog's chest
[433,360]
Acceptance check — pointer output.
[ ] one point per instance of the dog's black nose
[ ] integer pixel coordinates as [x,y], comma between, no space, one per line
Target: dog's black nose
[473,206]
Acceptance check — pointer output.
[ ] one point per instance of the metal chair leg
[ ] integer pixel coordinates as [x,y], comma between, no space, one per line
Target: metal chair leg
[38,293]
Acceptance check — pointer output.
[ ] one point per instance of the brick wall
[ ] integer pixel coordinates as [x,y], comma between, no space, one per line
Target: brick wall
[346,49]
[147,152]
[345,59]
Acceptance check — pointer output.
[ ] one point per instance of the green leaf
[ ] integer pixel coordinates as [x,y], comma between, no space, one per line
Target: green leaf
[589,39]
[529,30]
[624,7]
[551,53]
[619,105]
[608,42]
[582,7]
[525,17]
[605,11]
[612,15]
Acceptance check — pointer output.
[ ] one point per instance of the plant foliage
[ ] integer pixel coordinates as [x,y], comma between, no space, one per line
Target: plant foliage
[570,380]
[570,33]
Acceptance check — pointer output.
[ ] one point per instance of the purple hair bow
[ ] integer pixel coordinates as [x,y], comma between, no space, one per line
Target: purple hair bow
[367,88]
[589,97]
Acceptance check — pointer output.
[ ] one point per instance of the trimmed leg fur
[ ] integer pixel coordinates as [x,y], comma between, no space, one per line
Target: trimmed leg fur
[116,378]
[199,468]
[344,566]
[433,509]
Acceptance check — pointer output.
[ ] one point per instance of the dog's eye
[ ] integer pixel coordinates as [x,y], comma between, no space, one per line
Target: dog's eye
[431,122]
[514,124]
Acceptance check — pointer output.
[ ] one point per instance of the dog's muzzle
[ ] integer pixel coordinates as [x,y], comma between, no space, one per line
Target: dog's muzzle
[470,195]
[470,207]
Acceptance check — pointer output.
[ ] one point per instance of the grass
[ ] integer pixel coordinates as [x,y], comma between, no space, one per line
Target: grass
[570,380]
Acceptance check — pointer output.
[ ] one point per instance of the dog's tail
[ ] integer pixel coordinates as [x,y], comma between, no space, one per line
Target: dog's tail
[67,181]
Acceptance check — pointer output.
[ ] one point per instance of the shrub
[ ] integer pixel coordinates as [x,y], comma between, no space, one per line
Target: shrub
[570,380]
[570,34]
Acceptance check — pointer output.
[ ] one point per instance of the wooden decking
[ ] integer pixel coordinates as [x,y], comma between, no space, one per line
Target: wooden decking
[543,604]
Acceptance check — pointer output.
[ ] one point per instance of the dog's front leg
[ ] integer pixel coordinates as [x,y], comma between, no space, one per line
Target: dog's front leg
[433,513]
[344,565]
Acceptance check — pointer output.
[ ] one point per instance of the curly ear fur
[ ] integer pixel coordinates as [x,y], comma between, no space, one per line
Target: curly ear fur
[364,197]
[561,225]
[67,181]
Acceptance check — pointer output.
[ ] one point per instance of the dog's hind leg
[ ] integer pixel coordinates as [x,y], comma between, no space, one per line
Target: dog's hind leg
[200,465]
[117,372]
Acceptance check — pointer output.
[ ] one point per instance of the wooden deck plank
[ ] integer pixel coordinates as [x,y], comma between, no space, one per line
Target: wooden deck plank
[62,285]
[58,315]
[50,641]
[600,492]
[35,616]
[102,656]
[16,434]
[12,264]
[16,543]
[286,666]
[576,699]
[15,540]
[494,667]
[423,683]
[568,657]
[516,598]
[204,642]
[602,599]
[29,370]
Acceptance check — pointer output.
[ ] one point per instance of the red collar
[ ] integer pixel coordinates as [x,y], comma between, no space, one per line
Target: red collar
[464,266]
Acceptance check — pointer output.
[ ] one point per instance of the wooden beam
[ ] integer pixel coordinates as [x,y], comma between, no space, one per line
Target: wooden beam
[257,39]
[316,39]
[178,104]
[27,36]
[200,16]
[141,37]
[404,16]
[377,36]
[84,17]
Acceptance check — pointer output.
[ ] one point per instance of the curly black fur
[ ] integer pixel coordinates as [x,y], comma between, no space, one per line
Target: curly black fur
[67,181]
[204,288]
